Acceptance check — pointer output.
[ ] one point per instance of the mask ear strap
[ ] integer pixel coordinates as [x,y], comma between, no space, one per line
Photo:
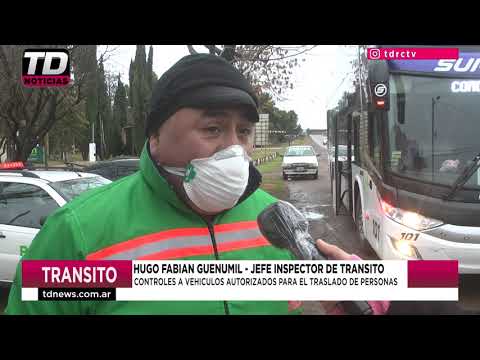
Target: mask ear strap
[174,170]
[254,181]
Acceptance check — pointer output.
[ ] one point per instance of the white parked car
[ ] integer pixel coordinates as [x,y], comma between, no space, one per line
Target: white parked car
[26,199]
[300,161]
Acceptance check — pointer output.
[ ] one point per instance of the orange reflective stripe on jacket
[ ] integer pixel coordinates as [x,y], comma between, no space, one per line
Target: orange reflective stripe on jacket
[186,242]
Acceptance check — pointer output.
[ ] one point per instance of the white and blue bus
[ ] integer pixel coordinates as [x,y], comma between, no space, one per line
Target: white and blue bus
[412,183]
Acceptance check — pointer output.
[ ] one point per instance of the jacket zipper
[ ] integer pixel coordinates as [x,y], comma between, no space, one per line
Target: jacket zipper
[215,250]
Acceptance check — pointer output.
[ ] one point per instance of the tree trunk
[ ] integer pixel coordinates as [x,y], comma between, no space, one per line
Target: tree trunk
[24,151]
[26,141]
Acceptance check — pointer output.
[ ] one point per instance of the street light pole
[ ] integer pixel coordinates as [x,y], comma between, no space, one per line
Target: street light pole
[433,134]
[46,150]
[433,119]
[360,81]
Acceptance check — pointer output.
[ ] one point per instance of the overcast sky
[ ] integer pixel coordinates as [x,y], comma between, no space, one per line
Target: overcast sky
[315,81]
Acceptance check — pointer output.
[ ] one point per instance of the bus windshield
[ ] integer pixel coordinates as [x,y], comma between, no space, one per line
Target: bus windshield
[433,128]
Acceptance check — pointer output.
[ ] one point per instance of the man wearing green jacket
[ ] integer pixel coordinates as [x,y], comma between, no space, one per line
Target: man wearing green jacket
[196,196]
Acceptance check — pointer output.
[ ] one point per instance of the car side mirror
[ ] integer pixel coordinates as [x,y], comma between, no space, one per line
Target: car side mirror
[42,220]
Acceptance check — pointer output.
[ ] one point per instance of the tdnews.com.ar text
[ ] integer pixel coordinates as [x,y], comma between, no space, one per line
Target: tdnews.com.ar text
[54,294]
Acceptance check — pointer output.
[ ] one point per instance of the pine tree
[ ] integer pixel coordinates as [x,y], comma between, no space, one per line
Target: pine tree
[109,128]
[88,65]
[104,114]
[139,93]
[131,70]
[142,78]
[120,111]
[149,74]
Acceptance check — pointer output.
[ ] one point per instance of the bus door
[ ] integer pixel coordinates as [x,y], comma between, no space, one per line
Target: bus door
[341,163]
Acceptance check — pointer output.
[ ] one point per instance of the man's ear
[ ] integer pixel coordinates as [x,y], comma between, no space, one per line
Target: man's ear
[154,143]
[154,137]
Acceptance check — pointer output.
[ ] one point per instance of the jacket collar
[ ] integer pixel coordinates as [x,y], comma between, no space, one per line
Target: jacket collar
[157,182]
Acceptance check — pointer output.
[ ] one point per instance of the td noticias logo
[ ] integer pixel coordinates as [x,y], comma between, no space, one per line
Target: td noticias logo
[45,68]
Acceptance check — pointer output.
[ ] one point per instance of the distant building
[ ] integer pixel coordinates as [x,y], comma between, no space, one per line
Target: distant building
[261,131]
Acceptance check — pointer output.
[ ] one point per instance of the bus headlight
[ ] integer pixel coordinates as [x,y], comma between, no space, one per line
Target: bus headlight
[410,219]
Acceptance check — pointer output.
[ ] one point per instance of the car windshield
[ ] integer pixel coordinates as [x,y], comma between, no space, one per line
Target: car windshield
[433,128]
[70,189]
[306,151]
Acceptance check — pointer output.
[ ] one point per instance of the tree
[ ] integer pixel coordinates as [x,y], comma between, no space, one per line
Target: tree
[120,109]
[131,70]
[104,115]
[360,72]
[282,122]
[27,113]
[150,77]
[139,94]
[266,104]
[69,133]
[359,64]
[267,67]
[141,78]
[149,74]
[88,65]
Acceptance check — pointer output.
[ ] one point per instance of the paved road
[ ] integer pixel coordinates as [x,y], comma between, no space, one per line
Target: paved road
[313,198]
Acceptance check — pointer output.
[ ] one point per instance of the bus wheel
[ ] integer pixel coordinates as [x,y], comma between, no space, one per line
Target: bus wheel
[359,221]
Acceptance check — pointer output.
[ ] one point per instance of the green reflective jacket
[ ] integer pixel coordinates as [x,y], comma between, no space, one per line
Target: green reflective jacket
[140,217]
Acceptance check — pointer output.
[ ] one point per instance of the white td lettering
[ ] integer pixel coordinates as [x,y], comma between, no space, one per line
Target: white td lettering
[33,56]
[47,65]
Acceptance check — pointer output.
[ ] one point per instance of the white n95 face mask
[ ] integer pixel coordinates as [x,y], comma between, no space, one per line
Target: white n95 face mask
[216,183]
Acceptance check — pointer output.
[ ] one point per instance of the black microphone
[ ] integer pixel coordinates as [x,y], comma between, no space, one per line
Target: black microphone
[285,227]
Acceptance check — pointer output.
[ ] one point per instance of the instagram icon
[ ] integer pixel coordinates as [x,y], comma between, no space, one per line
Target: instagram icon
[373,54]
